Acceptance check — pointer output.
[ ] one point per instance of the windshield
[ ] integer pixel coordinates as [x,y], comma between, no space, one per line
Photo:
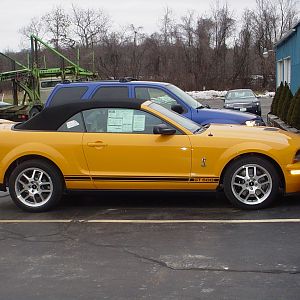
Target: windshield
[186,123]
[190,101]
[239,94]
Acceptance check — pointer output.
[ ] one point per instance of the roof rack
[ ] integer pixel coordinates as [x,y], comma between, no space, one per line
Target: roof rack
[127,79]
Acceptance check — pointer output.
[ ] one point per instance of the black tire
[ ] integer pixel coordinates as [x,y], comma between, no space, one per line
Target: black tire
[42,191]
[251,193]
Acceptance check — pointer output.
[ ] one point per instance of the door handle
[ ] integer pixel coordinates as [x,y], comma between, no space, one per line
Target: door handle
[97,144]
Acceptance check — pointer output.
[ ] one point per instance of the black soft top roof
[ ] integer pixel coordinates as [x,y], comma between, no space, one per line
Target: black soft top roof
[51,118]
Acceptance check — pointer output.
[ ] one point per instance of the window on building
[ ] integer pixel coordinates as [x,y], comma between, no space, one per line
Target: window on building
[287,70]
[279,72]
[284,71]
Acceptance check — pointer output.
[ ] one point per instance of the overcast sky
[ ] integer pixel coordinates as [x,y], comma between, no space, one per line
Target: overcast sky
[15,14]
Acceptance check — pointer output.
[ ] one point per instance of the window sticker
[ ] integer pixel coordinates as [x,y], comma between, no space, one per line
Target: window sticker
[139,122]
[120,120]
[72,124]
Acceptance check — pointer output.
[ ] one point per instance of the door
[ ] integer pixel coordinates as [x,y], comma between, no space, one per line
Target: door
[123,153]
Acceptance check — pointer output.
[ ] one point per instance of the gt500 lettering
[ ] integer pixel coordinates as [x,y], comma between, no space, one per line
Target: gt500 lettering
[205,179]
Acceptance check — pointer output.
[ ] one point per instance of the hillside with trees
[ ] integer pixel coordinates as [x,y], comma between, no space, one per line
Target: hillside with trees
[214,51]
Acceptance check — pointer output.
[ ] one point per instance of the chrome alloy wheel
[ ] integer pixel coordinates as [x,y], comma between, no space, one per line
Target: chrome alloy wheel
[251,184]
[33,187]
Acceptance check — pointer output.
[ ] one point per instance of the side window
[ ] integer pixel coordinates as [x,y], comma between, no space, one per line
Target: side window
[119,120]
[74,124]
[111,92]
[156,95]
[68,95]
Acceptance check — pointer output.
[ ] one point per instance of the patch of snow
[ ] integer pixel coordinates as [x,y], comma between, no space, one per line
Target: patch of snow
[210,94]
[267,94]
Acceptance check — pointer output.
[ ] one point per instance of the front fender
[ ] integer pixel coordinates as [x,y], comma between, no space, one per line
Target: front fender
[242,149]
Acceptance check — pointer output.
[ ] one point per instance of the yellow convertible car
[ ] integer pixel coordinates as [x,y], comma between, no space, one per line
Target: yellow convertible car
[139,145]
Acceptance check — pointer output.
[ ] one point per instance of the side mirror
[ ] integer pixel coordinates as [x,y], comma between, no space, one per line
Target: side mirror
[163,129]
[177,108]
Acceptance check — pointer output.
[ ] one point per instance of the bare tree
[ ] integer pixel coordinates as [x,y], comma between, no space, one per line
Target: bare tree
[110,55]
[58,23]
[224,23]
[287,16]
[36,26]
[136,50]
[194,52]
[242,53]
[90,25]
[167,26]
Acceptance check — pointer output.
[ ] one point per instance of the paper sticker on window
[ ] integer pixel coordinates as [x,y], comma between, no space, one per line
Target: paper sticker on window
[119,120]
[72,124]
[139,123]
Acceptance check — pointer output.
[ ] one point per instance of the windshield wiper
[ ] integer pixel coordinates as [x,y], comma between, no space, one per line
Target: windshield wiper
[203,106]
[198,129]
[202,128]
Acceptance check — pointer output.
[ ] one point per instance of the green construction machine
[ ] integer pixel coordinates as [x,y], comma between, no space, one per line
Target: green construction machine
[36,82]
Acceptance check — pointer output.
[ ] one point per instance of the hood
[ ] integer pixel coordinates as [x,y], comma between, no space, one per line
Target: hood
[226,114]
[266,135]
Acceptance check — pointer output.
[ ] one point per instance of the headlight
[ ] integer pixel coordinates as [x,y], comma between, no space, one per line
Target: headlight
[297,157]
[256,103]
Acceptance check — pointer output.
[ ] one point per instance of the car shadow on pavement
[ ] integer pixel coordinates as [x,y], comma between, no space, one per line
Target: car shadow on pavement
[151,205]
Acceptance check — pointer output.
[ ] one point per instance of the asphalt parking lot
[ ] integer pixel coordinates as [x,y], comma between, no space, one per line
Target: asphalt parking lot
[218,103]
[150,246]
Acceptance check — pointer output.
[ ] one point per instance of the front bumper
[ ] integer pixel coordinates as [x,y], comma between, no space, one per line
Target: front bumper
[253,109]
[292,178]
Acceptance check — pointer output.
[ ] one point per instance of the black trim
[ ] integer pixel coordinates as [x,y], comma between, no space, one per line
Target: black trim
[77,178]
[144,179]
[139,178]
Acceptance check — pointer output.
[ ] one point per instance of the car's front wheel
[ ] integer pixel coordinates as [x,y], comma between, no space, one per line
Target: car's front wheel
[251,183]
[35,186]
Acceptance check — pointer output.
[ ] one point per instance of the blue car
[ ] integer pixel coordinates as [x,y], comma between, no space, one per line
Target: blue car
[165,94]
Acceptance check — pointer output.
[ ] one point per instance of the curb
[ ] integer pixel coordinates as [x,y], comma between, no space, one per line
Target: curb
[275,121]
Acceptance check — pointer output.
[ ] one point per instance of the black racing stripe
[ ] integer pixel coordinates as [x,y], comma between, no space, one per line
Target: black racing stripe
[144,179]
[154,179]
[77,178]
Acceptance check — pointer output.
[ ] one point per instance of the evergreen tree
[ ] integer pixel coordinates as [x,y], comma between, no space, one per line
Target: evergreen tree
[292,107]
[276,99]
[281,101]
[295,118]
[286,104]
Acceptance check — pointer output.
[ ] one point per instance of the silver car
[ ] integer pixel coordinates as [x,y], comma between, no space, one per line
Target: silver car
[243,100]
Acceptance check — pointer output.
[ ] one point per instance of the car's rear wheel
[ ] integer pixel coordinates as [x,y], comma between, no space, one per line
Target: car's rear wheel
[35,186]
[251,183]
